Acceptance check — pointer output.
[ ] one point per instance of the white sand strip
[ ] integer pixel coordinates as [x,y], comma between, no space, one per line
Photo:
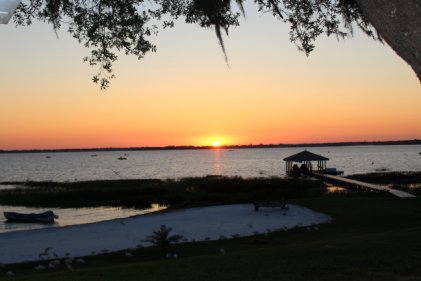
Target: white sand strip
[194,224]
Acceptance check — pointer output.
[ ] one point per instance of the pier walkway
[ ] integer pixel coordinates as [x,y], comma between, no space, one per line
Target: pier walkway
[363,185]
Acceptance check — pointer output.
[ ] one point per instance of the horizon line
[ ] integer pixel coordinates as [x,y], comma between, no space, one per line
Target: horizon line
[239,146]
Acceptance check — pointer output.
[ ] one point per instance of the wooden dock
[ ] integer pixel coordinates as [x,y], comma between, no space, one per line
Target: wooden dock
[363,185]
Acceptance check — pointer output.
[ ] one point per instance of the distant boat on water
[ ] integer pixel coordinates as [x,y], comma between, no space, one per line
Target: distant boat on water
[382,169]
[332,171]
[122,158]
[45,217]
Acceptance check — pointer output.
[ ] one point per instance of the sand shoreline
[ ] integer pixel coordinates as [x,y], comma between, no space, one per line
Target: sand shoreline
[198,224]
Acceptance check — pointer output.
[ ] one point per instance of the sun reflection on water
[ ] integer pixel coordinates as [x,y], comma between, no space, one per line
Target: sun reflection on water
[217,166]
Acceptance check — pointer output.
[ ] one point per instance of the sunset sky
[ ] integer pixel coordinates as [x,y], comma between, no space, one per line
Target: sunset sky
[185,94]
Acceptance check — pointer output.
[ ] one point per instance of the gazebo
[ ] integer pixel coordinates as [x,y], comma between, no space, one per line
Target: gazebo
[305,157]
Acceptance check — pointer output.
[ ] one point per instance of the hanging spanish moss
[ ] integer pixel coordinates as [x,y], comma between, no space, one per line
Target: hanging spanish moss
[109,27]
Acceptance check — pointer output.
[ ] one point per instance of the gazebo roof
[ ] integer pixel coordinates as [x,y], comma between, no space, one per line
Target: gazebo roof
[305,156]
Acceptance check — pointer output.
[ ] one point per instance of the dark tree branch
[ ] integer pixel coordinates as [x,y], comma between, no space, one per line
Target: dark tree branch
[110,27]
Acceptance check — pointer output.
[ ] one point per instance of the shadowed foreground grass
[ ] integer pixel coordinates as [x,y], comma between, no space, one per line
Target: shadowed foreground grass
[370,239]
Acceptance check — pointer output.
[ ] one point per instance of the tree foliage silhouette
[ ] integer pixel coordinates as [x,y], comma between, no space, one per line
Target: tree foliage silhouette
[110,27]
[162,238]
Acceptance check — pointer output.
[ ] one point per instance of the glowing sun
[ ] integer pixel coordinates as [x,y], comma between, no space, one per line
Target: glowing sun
[216,143]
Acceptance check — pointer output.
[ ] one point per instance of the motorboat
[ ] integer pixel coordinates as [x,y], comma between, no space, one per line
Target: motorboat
[332,171]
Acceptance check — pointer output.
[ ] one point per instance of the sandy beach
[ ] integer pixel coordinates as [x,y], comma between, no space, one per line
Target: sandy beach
[196,224]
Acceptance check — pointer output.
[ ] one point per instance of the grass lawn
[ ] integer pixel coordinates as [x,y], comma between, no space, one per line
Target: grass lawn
[371,238]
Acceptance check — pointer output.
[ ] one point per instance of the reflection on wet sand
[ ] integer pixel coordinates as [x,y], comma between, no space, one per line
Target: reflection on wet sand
[72,216]
[335,189]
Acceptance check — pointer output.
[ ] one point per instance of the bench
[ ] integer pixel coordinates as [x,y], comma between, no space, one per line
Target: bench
[270,204]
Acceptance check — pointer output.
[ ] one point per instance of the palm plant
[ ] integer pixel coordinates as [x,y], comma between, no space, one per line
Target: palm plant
[162,238]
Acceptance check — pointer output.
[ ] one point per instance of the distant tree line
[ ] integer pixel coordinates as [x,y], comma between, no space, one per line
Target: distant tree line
[190,147]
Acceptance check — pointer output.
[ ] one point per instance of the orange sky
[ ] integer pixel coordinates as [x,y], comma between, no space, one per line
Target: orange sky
[185,94]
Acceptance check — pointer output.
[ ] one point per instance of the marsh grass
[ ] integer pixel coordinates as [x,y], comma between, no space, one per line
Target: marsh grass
[142,193]
[406,181]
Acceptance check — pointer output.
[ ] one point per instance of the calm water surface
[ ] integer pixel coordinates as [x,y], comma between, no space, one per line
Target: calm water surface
[166,164]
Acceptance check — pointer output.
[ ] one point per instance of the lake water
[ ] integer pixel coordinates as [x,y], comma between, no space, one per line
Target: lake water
[164,164]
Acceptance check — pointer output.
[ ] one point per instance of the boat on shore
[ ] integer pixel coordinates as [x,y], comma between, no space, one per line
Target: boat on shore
[44,217]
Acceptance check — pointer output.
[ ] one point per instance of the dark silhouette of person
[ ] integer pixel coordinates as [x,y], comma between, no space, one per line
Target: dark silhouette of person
[295,171]
[304,169]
